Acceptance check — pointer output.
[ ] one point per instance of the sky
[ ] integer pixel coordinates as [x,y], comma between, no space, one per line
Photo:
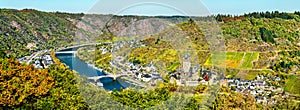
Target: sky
[155,7]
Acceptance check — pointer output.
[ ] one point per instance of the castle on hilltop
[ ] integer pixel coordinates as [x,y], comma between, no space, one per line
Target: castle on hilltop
[187,69]
[188,74]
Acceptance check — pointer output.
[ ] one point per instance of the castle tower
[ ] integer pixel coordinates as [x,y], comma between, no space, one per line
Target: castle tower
[186,63]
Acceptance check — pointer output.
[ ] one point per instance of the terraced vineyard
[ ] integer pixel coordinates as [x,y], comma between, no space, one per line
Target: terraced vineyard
[236,60]
[248,60]
[292,84]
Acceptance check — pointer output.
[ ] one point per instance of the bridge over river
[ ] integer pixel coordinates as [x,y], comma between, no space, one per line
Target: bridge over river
[75,47]
[71,50]
[65,52]
[133,82]
[96,78]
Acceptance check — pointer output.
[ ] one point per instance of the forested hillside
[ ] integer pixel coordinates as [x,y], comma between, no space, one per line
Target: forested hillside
[274,36]
[261,34]
[25,87]
[25,31]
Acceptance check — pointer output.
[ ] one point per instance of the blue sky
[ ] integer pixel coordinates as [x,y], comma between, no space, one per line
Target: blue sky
[235,7]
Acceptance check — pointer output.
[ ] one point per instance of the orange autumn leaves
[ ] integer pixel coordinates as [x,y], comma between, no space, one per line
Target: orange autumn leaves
[20,84]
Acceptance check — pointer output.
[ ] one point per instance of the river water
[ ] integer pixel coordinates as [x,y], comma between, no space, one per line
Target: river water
[85,70]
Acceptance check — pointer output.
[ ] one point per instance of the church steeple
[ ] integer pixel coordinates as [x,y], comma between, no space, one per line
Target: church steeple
[186,56]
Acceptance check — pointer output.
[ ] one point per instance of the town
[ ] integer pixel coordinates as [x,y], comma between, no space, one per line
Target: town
[38,60]
[149,74]
[189,75]
[261,88]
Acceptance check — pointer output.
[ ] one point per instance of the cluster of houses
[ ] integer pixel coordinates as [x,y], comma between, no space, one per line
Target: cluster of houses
[40,62]
[113,47]
[130,44]
[147,73]
[259,88]
[188,75]
[43,61]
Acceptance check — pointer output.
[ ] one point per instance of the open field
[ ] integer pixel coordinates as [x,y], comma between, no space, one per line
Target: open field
[233,59]
[292,84]
[248,60]
[216,59]
[231,72]
[237,60]
[174,66]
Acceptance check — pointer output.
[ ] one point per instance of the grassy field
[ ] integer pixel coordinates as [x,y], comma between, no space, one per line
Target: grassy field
[231,72]
[216,58]
[233,59]
[238,60]
[251,74]
[292,84]
[248,60]
[174,66]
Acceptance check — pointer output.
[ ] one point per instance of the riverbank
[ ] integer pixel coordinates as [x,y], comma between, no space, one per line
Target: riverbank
[124,81]
[90,70]
[96,68]
[84,69]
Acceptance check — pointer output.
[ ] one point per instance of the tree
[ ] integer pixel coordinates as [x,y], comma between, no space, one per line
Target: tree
[201,89]
[228,100]
[64,94]
[266,35]
[141,98]
[21,85]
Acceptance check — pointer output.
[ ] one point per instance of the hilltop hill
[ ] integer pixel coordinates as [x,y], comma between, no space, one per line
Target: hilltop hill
[23,32]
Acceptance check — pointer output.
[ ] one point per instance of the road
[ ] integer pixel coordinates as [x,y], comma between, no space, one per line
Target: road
[35,55]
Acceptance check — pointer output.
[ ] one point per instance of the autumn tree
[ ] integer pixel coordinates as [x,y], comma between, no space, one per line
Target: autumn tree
[21,85]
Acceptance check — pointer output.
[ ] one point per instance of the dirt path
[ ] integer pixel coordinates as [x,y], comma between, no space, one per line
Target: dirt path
[242,61]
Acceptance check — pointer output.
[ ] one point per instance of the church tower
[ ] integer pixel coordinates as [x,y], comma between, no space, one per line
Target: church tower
[186,63]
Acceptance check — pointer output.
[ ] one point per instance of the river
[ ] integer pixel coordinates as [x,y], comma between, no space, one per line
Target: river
[85,70]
